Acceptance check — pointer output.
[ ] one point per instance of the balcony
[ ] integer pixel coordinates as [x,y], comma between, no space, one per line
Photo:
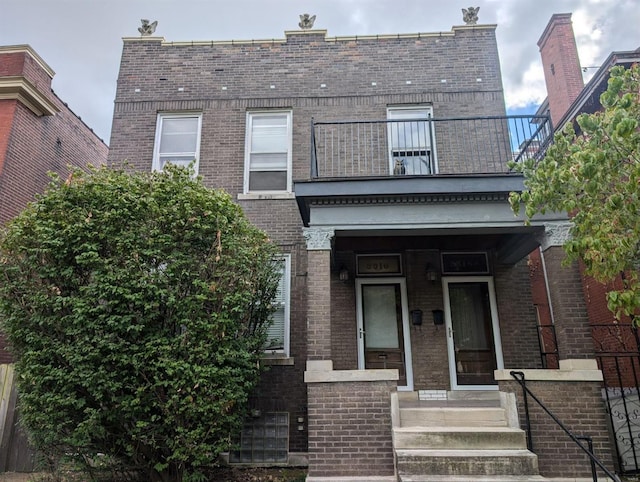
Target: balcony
[426,146]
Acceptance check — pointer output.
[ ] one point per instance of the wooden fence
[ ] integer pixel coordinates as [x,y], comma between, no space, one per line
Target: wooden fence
[15,453]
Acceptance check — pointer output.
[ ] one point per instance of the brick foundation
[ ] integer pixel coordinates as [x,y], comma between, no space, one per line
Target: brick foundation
[578,404]
[350,428]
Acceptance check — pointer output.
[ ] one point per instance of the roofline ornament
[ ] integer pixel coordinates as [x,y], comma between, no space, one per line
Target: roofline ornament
[470,15]
[147,28]
[306,21]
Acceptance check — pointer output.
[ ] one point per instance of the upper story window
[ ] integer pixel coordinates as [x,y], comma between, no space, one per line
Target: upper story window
[411,141]
[278,332]
[177,140]
[268,152]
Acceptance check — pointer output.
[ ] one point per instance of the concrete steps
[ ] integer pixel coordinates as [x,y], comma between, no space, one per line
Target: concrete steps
[466,462]
[489,438]
[473,478]
[466,437]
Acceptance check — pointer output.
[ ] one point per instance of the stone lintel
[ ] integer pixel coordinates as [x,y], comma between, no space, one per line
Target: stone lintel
[573,370]
[348,376]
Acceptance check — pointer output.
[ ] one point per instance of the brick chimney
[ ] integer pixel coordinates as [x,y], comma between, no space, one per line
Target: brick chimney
[562,72]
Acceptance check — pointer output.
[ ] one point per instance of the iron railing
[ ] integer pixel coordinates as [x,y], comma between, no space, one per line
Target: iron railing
[618,355]
[526,393]
[427,146]
[548,343]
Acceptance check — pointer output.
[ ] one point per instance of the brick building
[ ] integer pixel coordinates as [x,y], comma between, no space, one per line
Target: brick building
[615,342]
[379,165]
[38,134]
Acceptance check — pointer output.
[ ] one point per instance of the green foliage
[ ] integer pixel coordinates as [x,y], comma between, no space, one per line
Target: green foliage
[136,307]
[595,177]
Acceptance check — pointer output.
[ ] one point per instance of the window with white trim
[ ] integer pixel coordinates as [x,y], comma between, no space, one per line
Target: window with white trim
[411,149]
[177,140]
[268,152]
[278,332]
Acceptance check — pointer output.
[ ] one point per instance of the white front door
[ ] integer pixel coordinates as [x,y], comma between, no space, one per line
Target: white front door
[383,327]
[473,334]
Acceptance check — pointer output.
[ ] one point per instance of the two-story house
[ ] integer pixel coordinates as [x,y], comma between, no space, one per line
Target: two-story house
[378,164]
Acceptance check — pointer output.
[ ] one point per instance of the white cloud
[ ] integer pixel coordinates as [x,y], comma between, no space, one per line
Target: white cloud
[530,91]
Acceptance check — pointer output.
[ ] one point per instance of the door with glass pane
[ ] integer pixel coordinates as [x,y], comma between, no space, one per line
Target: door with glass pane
[410,141]
[383,334]
[473,335]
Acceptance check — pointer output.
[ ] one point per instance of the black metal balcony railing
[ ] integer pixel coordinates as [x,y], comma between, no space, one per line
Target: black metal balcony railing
[480,145]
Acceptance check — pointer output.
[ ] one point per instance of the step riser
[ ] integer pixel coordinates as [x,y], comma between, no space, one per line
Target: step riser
[460,440]
[434,417]
[472,478]
[468,465]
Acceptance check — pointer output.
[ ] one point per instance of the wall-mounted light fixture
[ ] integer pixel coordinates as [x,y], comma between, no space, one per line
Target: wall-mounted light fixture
[431,272]
[344,274]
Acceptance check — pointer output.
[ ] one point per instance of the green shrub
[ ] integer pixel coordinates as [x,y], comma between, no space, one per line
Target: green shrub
[136,306]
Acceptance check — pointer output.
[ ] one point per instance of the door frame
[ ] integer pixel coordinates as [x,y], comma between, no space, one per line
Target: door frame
[406,338]
[495,324]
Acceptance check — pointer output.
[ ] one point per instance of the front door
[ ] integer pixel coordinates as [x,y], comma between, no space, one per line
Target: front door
[383,334]
[473,336]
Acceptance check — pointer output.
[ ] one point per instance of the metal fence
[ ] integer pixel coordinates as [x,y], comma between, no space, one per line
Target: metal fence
[428,146]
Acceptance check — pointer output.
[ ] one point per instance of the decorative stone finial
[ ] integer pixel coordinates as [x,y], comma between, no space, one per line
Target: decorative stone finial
[470,15]
[147,28]
[306,21]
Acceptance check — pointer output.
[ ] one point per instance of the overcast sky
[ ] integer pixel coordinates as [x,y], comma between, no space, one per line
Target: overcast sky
[81,40]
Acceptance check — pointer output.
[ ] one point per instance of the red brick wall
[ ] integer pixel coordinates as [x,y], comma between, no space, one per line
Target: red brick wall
[350,429]
[567,299]
[34,150]
[580,407]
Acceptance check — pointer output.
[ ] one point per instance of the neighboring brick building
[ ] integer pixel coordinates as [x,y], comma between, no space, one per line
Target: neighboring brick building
[38,134]
[615,341]
[379,165]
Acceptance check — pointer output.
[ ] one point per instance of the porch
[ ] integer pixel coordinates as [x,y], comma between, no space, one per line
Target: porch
[447,298]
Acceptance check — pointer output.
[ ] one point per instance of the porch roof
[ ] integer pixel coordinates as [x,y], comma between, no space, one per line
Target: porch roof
[439,205]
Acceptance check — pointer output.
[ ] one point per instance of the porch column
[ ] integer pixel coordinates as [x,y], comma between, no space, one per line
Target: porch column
[566,295]
[319,292]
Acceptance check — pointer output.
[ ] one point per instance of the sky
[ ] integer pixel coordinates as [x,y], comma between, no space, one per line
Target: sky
[81,40]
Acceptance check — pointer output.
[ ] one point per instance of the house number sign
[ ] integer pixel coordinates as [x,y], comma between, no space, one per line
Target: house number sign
[465,263]
[379,264]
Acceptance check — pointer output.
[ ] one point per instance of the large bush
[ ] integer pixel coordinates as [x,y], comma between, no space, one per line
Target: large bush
[135,305]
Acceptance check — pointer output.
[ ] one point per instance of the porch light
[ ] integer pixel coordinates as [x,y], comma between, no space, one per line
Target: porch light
[344,274]
[431,272]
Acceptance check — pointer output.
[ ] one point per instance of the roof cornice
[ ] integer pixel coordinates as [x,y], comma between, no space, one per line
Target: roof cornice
[20,89]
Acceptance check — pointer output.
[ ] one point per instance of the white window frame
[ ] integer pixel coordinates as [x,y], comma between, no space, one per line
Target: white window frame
[286,286]
[247,150]
[391,110]
[162,116]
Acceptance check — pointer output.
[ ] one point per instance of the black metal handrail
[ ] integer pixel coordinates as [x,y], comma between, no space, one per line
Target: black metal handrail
[425,146]
[519,377]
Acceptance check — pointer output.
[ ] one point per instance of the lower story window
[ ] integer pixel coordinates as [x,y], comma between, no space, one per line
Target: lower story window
[278,332]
